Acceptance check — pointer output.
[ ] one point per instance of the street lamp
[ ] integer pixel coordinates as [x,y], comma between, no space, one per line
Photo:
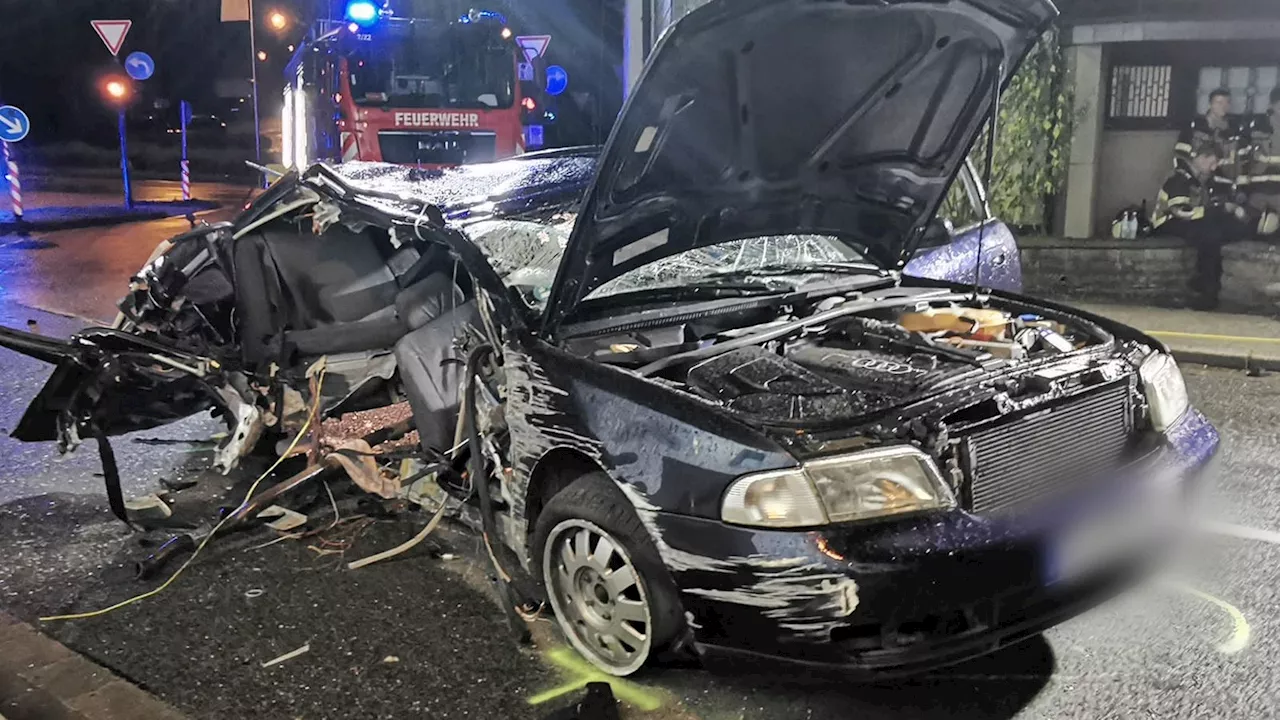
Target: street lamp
[262,55]
[116,89]
[277,20]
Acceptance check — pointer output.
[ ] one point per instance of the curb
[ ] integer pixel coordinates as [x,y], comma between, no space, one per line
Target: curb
[42,679]
[195,206]
[1227,361]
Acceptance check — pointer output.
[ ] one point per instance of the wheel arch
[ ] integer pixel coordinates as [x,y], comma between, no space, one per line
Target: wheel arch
[554,471]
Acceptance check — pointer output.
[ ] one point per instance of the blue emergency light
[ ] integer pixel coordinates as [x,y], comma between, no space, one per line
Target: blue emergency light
[479,15]
[363,12]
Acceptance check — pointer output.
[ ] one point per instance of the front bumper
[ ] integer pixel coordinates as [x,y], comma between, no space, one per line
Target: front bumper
[905,595]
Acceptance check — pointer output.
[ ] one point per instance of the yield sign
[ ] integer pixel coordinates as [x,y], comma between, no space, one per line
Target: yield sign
[534,46]
[112,32]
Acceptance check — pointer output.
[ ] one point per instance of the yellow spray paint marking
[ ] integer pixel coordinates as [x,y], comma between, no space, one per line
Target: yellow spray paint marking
[581,672]
[1241,633]
[1201,336]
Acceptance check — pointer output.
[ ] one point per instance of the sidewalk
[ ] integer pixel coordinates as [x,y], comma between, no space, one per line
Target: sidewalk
[67,217]
[40,679]
[1207,338]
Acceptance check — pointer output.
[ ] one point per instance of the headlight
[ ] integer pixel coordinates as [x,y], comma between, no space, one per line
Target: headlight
[860,486]
[1165,390]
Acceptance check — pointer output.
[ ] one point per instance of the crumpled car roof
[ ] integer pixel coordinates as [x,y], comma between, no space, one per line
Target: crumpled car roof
[498,188]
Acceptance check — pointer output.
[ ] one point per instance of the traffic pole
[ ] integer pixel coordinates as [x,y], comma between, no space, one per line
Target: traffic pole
[15,184]
[184,109]
[253,60]
[124,164]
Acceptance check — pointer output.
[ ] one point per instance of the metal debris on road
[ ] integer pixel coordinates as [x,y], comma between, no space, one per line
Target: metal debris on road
[288,656]
[435,520]
[285,519]
[148,507]
[252,593]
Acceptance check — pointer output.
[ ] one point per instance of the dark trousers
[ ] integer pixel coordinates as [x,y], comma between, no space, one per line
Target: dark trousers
[1208,234]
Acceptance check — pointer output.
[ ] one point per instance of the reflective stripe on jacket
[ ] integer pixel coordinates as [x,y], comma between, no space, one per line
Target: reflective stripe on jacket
[1183,197]
[1261,158]
[1228,139]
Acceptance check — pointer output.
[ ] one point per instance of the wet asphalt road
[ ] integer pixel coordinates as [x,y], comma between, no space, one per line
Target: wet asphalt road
[421,637]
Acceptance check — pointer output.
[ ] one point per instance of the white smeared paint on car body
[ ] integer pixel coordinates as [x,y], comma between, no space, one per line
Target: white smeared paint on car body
[805,596]
[793,594]
[675,559]
[535,428]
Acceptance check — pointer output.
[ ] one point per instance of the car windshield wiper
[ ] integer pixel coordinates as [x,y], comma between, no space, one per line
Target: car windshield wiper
[802,268]
[704,289]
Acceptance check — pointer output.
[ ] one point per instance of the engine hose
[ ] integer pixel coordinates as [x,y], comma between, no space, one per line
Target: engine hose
[480,482]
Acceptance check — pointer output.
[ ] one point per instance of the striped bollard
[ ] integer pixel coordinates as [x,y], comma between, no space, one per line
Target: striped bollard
[15,184]
[186,180]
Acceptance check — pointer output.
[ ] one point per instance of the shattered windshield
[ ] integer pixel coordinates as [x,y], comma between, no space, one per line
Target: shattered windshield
[743,258]
[526,255]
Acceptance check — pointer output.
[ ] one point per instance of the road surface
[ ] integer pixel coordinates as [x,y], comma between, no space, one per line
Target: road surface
[421,637]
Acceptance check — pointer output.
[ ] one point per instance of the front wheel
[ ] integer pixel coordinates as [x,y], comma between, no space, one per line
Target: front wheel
[610,592]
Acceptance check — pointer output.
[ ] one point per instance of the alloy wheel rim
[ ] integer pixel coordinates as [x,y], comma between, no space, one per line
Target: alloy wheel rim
[598,597]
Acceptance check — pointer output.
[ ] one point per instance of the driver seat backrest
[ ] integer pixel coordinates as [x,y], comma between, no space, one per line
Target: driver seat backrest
[297,293]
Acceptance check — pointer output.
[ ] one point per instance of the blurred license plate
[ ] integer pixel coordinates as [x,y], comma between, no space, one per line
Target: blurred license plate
[1116,534]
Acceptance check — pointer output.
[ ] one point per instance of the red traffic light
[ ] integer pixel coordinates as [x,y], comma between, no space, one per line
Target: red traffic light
[530,104]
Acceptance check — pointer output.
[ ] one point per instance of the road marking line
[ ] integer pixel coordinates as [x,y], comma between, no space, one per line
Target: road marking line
[1242,532]
[1229,338]
[583,672]
[1241,631]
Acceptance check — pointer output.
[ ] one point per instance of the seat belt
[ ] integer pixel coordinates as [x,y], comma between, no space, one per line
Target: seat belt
[111,476]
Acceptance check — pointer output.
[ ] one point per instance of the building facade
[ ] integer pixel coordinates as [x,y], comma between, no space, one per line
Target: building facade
[1141,70]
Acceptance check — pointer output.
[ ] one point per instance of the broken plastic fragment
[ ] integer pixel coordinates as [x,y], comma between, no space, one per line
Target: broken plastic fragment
[288,656]
[285,519]
[148,507]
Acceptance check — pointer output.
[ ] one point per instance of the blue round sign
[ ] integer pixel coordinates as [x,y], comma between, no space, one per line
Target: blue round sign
[14,124]
[139,65]
[557,80]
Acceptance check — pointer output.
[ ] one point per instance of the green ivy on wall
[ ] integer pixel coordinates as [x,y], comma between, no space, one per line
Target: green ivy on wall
[1032,142]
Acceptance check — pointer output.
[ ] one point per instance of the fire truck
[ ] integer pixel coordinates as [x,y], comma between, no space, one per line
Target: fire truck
[409,91]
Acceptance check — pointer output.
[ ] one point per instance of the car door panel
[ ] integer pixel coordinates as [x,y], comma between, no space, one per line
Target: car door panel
[957,260]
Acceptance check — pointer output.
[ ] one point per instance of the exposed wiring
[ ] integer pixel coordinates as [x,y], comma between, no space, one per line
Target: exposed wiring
[295,536]
[280,212]
[531,616]
[480,480]
[306,426]
[402,547]
[494,559]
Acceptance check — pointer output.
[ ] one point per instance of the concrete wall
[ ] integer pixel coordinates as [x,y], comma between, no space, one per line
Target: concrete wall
[1132,165]
[1151,271]
[1084,63]
[1251,278]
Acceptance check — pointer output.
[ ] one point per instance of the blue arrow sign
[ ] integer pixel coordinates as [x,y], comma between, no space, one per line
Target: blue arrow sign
[557,80]
[14,124]
[139,65]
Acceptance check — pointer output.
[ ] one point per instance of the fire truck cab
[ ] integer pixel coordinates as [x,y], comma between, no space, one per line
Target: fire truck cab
[407,91]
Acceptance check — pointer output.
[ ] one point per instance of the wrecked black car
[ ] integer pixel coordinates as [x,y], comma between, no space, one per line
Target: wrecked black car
[726,385]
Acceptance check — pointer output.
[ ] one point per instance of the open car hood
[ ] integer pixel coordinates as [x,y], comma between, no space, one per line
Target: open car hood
[771,117]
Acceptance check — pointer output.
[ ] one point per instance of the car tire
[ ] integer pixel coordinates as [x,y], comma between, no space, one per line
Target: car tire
[615,624]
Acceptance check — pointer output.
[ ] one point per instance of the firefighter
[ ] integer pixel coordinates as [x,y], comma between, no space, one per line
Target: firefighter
[1216,128]
[1189,209]
[1260,177]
